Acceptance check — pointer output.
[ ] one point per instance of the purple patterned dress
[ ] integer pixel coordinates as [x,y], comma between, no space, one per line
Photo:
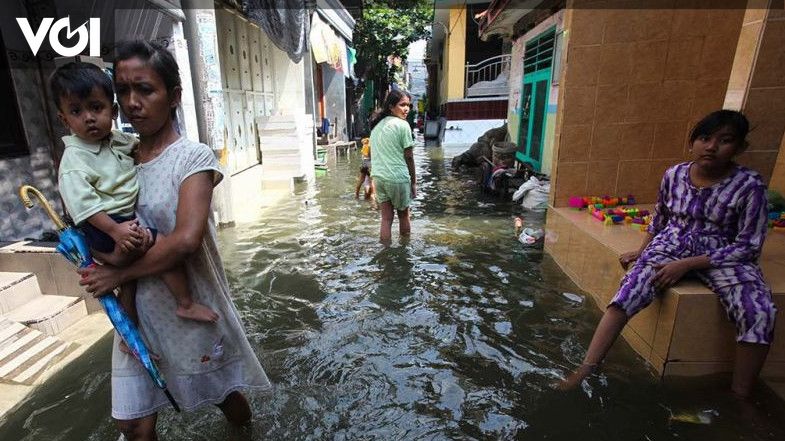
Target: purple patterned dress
[727,222]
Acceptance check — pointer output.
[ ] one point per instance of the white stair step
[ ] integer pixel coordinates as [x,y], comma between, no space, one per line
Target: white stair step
[28,374]
[16,289]
[19,359]
[8,329]
[49,314]
[18,341]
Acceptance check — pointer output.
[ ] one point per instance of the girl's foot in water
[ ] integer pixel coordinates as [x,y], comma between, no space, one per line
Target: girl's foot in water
[576,377]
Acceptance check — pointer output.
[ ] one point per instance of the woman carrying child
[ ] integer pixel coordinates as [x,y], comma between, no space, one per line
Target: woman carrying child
[204,363]
[711,219]
[97,179]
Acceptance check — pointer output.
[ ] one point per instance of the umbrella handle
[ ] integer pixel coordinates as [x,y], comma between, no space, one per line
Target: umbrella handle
[24,195]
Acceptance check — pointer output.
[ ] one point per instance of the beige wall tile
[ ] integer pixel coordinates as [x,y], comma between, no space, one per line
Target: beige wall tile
[602,177]
[636,342]
[645,322]
[641,100]
[675,103]
[670,140]
[575,142]
[624,26]
[765,109]
[689,22]
[587,25]
[616,62]
[633,177]
[576,254]
[658,363]
[610,105]
[605,142]
[684,58]
[766,134]
[649,61]
[690,369]
[637,140]
[778,174]
[770,62]
[763,103]
[709,96]
[583,65]
[658,168]
[700,318]
[728,19]
[669,304]
[562,243]
[717,56]
[657,19]
[775,13]
[762,162]
[578,105]
[571,181]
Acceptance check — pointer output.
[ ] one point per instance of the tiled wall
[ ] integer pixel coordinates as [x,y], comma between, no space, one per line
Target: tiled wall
[757,87]
[635,81]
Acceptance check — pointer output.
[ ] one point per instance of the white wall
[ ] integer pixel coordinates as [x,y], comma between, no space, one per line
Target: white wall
[289,84]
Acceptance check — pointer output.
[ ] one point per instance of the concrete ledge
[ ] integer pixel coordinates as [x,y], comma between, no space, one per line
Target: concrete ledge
[683,332]
[56,276]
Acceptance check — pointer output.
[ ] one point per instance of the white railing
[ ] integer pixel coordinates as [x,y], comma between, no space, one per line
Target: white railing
[488,77]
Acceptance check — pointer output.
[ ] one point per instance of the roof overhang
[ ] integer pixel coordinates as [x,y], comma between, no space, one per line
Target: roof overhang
[502,15]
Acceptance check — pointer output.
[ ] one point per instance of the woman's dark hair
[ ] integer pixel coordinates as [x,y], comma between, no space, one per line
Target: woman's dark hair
[393,97]
[157,57]
[78,78]
[719,119]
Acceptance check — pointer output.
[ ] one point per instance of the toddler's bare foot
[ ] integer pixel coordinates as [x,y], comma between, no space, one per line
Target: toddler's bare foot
[198,312]
[576,377]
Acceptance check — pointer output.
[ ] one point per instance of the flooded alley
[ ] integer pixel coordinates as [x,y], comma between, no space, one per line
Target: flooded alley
[457,334]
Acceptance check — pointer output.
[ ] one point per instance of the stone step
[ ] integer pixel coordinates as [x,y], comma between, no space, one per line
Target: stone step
[16,289]
[25,354]
[49,314]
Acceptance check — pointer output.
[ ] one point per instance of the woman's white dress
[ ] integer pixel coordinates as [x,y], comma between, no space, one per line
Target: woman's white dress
[202,362]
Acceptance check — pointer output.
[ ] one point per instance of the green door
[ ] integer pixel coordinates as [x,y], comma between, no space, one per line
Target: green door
[537,64]
[534,105]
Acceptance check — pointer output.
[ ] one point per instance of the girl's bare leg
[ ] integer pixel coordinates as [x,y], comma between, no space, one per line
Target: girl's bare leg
[747,366]
[385,230]
[605,335]
[404,222]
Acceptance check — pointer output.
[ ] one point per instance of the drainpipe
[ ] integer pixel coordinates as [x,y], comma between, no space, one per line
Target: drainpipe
[202,36]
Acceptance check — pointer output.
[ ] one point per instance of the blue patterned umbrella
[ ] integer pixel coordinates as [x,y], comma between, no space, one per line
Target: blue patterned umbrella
[74,247]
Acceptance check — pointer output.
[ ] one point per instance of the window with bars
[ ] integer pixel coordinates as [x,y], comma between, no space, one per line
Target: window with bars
[539,52]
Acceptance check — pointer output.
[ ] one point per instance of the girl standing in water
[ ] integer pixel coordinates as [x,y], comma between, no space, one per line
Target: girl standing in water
[393,174]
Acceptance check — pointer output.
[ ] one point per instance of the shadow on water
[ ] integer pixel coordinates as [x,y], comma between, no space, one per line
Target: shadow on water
[455,334]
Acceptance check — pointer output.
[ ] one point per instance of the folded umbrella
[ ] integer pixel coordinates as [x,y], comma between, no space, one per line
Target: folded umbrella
[73,246]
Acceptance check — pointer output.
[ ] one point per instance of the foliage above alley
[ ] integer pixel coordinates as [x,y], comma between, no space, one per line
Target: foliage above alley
[387,28]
